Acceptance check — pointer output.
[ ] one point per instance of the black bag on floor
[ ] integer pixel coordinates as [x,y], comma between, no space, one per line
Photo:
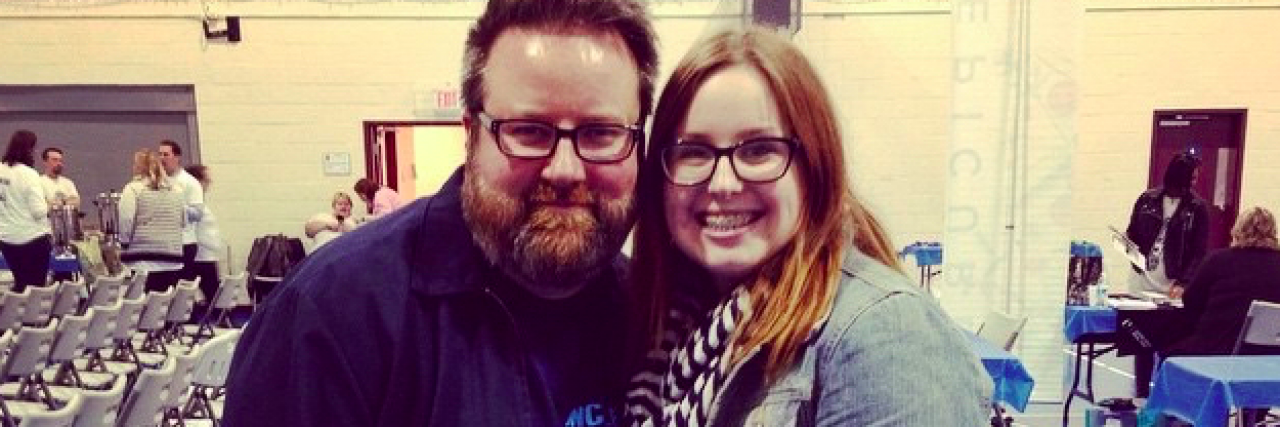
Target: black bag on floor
[272,257]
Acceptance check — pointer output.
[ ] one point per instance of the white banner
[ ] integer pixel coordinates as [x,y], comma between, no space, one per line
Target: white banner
[1008,208]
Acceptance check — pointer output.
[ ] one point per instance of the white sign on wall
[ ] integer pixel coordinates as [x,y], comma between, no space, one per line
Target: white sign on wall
[336,164]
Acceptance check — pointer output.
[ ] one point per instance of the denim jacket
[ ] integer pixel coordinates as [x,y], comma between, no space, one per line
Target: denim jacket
[887,356]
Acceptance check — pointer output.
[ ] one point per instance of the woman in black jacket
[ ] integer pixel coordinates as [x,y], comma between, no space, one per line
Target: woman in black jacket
[1227,282]
[1170,225]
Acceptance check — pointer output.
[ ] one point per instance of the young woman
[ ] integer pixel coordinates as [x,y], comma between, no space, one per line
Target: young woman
[1170,225]
[1227,282]
[768,294]
[24,214]
[152,213]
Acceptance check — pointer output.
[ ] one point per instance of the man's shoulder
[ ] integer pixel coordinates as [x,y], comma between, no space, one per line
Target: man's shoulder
[383,256]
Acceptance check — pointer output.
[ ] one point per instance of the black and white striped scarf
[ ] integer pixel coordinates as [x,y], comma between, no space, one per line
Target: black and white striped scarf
[680,384]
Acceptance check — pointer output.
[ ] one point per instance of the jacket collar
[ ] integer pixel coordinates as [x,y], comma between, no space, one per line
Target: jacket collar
[445,255]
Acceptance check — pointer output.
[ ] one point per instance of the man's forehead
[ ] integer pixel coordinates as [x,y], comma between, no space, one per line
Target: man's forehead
[539,71]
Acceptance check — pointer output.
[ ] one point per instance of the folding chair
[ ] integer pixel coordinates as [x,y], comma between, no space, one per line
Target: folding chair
[135,285]
[98,336]
[67,301]
[6,339]
[1260,334]
[230,292]
[12,306]
[152,321]
[39,305]
[1002,330]
[70,340]
[184,370]
[1261,327]
[184,301]
[104,292]
[122,336]
[145,404]
[27,361]
[210,375]
[61,417]
[101,406]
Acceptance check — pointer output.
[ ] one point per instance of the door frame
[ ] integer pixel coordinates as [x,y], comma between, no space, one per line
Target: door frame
[1242,114]
[375,165]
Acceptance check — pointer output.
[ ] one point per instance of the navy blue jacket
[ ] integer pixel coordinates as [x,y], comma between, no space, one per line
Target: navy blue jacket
[397,324]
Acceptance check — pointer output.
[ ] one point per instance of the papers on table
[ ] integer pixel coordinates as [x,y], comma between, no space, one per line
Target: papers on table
[1146,300]
[1132,304]
[1130,250]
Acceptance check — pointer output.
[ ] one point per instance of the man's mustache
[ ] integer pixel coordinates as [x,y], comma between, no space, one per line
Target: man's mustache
[547,194]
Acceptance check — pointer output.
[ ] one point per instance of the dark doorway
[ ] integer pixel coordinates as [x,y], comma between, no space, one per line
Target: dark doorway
[1217,136]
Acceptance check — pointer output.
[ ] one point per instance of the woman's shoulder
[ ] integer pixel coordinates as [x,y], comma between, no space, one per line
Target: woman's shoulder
[23,172]
[876,297]
[865,281]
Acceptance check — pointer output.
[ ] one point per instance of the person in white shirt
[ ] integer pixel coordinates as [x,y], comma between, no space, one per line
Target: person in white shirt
[324,226]
[24,215]
[208,239]
[193,193]
[58,189]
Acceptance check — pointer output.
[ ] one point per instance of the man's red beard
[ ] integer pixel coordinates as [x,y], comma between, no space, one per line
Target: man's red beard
[553,237]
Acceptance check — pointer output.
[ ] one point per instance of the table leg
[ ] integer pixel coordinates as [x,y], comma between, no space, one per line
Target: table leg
[1143,363]
[1075,383]
[1088,382]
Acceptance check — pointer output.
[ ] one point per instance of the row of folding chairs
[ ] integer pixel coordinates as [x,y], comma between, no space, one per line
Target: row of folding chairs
[180,388]
[37,305]
[136,332]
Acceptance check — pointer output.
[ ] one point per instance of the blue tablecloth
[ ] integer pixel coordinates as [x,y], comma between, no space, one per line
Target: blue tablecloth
[1013,383]
[1203,390]
[1082,319]
[57,264]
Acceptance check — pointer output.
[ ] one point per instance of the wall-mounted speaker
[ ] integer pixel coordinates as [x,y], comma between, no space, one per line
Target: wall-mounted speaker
[772,13]
[233,29]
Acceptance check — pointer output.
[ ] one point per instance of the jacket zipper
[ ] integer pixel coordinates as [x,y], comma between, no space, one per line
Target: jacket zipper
[520,346]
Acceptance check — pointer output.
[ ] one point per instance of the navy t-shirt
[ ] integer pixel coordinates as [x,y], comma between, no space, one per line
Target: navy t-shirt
[575,349]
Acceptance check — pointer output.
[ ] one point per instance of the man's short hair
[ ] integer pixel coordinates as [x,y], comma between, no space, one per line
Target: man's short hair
[173,146]
[626,18]
[44,155]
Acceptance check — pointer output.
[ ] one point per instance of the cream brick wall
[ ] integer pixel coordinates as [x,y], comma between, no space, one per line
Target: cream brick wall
[1137,61]
[890,76]
[307,75]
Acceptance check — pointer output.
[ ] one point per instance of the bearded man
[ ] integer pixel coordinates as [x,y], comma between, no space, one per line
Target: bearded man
[497,301]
